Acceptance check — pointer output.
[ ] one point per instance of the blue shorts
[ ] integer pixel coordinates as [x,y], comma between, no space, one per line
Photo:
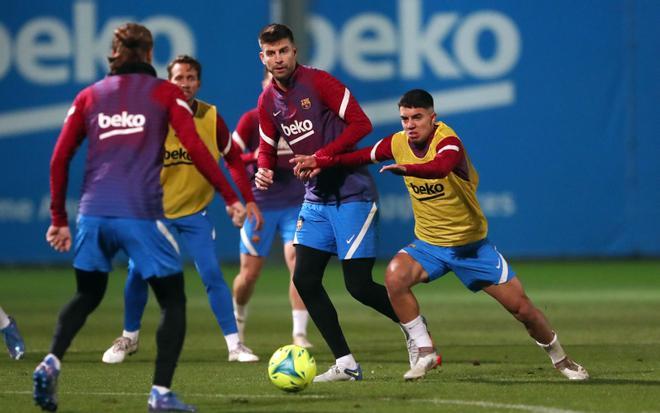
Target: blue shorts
[258,243]
[147,243]
[477,265]
[347,230]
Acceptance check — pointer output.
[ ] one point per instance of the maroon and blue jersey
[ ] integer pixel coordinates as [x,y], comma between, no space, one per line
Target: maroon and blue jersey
[125,119]
[286,190]
[317,114]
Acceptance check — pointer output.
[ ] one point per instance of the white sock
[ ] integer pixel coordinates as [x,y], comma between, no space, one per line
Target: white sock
[417,331]
[300,318]
[58,365]
[347,361]
[4,319]
[133,335]
[554,349]
[240,311]
[160,389]
[232,341]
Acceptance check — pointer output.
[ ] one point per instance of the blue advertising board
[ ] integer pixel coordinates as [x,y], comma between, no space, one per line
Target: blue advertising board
[555,101]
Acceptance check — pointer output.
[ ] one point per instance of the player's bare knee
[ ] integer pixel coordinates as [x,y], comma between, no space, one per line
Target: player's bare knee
[396,278]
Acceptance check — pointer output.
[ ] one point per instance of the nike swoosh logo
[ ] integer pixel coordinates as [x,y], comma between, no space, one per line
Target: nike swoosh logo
[277,113]
[353,373]
[348,241]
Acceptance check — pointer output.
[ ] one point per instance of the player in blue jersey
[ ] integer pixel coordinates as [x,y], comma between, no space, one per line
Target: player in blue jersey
[314,113]
[125,119]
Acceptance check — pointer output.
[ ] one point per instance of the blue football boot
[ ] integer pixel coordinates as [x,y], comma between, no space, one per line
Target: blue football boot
[167,402]
[45,384]
[13,340]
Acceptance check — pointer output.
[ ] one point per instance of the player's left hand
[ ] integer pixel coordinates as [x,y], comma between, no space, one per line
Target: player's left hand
[254,215]
[395,168]
[59,238]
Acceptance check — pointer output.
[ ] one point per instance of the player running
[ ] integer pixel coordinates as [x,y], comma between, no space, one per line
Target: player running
[450,228]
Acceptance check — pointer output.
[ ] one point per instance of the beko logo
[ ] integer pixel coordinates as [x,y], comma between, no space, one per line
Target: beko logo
[420,42]
[297,127]
[431,191]
[126,122]
[51,51]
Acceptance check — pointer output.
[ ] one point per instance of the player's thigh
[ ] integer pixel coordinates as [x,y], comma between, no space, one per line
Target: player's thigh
[431,258]
[355,228]
[94,245]
[404,271]
[197,233]
[258,242]
[286,223]
[314,228]
[479,265]
[151,246]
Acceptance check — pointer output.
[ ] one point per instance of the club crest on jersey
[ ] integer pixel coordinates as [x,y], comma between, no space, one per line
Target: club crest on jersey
[299,223]
[306,103]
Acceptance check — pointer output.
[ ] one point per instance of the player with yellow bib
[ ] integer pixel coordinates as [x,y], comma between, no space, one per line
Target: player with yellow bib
[186,195]
[450,231]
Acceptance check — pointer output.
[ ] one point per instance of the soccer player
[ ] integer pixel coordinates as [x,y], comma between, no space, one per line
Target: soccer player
[125,118]
[280,206]
[450,230]
[316,114]
[11,335]
[186,195]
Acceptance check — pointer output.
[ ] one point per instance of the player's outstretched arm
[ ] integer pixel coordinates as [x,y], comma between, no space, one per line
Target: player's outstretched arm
[449,155]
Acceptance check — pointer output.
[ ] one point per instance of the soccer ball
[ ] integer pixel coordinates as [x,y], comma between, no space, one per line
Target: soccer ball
[291,368]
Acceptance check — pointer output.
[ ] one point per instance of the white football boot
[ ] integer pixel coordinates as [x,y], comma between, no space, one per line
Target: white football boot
[121,347]
[336,373]
[427,360]
[301,340]
[242,354]
[571,370]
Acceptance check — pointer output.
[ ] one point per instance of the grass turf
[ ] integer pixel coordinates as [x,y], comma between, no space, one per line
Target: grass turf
[607,315]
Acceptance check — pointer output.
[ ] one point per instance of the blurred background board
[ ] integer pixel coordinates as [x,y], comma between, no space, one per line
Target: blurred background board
[556,102]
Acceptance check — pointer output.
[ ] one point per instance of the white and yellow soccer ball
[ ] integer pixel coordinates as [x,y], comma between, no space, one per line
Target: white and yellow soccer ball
[291,368]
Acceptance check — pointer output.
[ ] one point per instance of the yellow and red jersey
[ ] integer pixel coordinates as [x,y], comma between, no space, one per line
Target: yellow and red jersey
[441,181]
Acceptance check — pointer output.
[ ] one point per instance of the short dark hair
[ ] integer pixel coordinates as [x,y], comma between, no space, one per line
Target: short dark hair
[416,98]
[185,59]
[275,32]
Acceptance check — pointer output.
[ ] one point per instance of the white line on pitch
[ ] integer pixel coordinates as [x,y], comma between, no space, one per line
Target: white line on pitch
[474,403]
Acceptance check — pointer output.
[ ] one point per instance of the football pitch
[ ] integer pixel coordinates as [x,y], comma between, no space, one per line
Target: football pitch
[607,314]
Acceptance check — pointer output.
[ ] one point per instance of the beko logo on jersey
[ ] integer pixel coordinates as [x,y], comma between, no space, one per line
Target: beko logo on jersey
[297,127]
[433,191]
[127,122]
[178,155]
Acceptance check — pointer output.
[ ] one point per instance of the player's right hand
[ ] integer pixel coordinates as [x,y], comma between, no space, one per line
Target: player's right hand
[306,166]
[263,178]
[59,238]
[237,213]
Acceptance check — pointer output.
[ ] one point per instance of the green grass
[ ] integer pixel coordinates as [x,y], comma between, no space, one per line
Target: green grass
[607,315]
